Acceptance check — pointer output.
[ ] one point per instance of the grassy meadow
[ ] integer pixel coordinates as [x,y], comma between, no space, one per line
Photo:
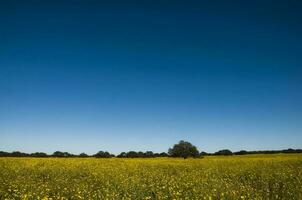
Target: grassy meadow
[214,177]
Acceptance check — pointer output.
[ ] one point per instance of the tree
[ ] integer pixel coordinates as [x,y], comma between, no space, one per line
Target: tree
[140,154]
[4,154]
[132,154]
[83,155]
[103,154]
[39,154]
[183,149]
[163,154]
[61,154]
[224,152]
[203,153]
[18,154]
[122,155]
[242,152]
[148,154]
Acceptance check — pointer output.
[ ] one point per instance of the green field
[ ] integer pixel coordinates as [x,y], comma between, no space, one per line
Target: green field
[225,177]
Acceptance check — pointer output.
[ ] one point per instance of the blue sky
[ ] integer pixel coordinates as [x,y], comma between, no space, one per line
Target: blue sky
[84,76]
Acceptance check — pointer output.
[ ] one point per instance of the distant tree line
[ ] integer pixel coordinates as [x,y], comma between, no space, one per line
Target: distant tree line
[226,152]
[140,154]
[183,149]
[100,154]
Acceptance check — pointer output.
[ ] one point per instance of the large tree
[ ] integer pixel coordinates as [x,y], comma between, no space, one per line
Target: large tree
[183,149]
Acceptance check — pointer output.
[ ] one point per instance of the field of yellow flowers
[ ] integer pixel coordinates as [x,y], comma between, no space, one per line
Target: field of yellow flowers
[224,177]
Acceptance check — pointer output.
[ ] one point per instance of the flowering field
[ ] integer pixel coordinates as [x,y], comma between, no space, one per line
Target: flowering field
[225,177]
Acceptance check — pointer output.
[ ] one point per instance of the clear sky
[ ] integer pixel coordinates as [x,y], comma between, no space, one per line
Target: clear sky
[84,76]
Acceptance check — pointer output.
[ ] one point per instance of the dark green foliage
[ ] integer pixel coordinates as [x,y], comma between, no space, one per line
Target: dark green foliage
[163,154]
[39,154]
[148,154]
[242,152]
[224,152]
[4,154]
[132,154]
[62,154]
[173,152]
[83,155]
[103,154]
[203,154]
[292,151]
[140,154]
[122,155]
[184,149]
[19,154]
